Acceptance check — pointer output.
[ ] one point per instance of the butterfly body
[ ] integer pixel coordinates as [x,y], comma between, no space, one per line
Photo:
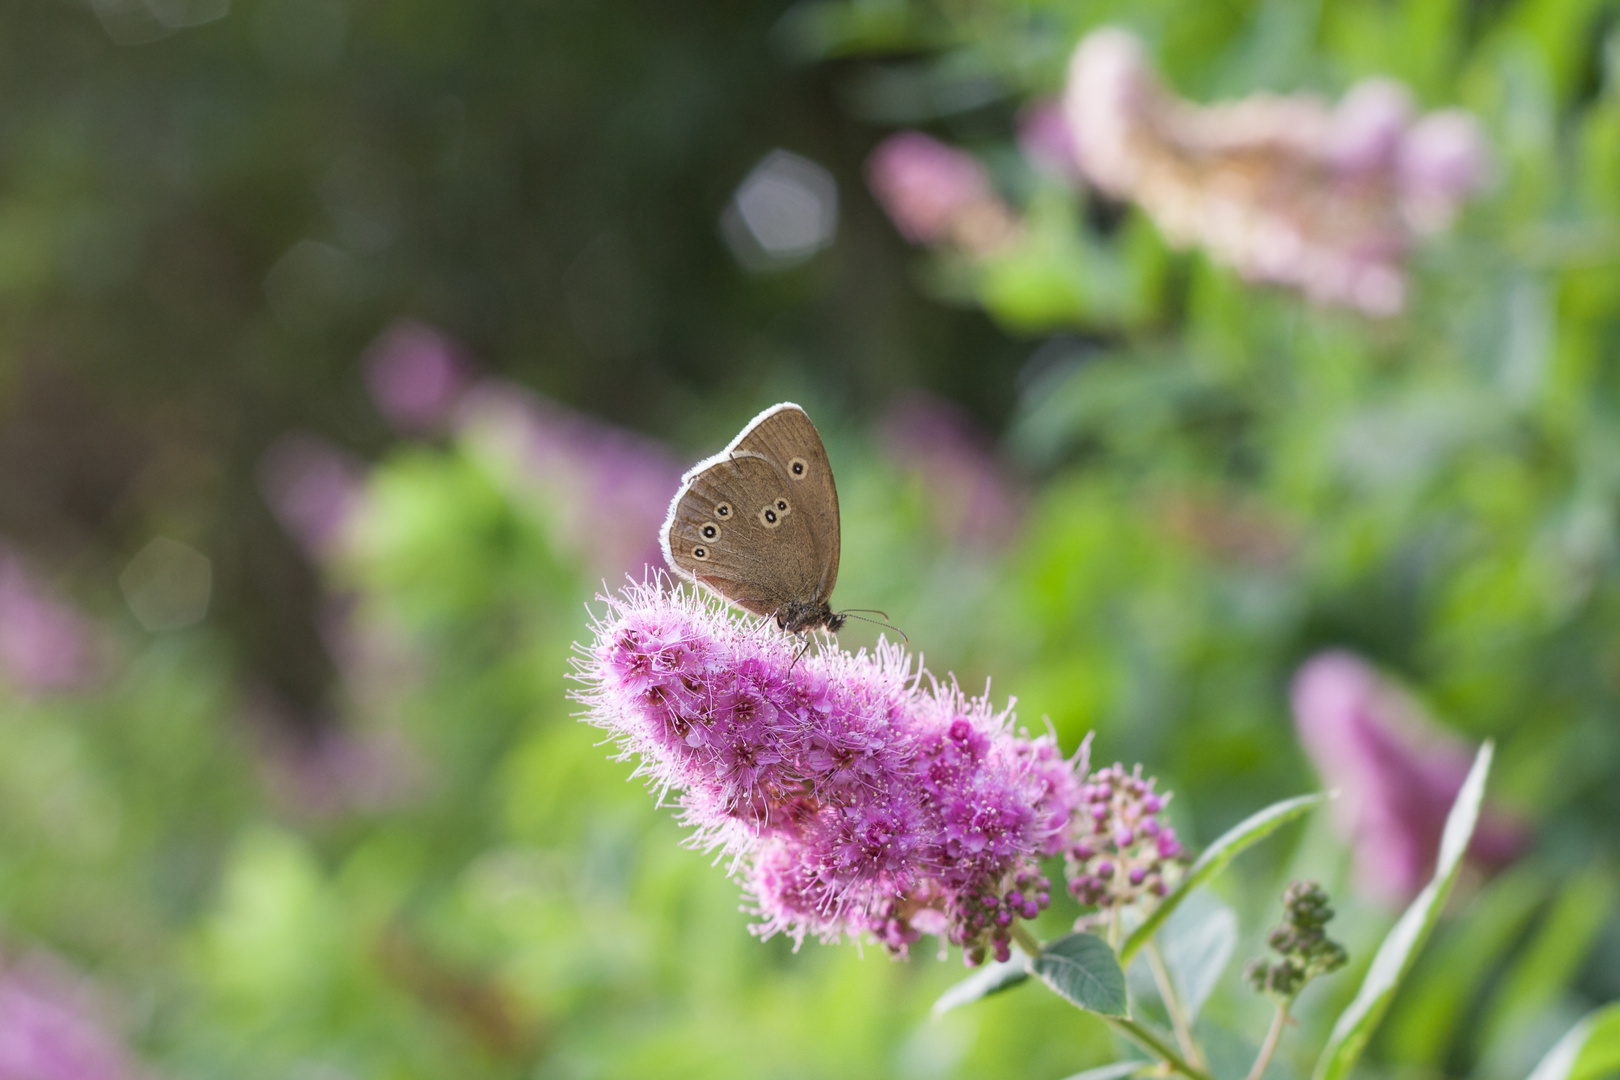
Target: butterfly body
[758,522]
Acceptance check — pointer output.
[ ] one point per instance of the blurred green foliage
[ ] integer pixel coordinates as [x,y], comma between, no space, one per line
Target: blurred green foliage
[201,228]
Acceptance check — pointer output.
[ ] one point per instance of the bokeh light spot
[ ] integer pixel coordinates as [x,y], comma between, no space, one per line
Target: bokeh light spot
[784,211]
[167,585]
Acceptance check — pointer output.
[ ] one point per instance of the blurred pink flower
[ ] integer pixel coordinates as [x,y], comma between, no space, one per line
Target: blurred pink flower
[1047,140]
[600,490]
[1366,129]
[1442,159]
[1110,90]
[1284,189]
[313,487]
[50,1028]
[415,375]
[973,497]
[45,643]
[1396,773]
[937,194]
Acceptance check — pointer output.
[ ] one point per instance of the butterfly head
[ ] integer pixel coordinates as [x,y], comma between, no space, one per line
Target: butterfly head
[800,615]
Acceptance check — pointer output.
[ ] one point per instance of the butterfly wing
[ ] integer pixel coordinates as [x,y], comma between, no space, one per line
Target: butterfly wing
[784,436]
[736,527]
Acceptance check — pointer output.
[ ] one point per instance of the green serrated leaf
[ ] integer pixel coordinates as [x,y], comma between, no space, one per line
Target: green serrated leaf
[993,978]
[1400,947]
[1588,1051]
[1117,1071]
[1083,969]
[1250,830]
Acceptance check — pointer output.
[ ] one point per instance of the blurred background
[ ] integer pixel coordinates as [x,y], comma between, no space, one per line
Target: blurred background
[348,348]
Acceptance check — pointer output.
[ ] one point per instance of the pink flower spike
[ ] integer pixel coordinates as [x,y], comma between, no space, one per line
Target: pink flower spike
[1285,189]
[1396,773]
[856,795]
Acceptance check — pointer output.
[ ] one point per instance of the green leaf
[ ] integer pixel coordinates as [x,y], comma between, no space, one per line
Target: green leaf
[1254,828]
[1589,1051]
[1555,955]
[1082,968]
[993,978]
[1198,943]
[1117,1071]
[1394,957]
[1438,997]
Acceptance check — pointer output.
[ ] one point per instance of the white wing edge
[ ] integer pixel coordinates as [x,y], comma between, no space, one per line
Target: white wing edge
[690,474]
[669,523]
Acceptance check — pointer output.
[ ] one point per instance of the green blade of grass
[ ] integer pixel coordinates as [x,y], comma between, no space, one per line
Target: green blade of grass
[1395,955]
[1588,1051]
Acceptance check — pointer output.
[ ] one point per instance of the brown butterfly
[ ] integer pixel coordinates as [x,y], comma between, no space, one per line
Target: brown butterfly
[758,522]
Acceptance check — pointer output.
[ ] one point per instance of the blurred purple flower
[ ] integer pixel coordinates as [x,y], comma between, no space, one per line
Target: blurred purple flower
[973,498]
[852,799]
[337,771]
[1365,132]
[415,375]
[1047,140]
[937,194]
[314,488]
[601,490]
[1397,776]
[924,184]
[1283,189]
[1442,160]
[45,643]
[1109,93]
[50,1028]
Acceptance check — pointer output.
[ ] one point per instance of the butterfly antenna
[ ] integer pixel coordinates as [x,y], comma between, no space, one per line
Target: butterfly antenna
[877,622]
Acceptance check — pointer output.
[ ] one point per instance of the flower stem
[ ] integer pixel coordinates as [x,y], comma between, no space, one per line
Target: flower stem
[1155,1043]
[1273,1037]
[1025,940]
[1179,1020]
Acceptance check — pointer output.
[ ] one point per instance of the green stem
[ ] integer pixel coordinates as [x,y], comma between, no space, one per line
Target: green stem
[1025,940]
[1273,1037]
[1154,1043]
[1179,1020]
